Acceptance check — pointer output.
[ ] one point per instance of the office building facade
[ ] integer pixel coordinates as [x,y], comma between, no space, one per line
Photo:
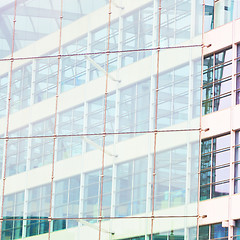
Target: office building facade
[119,119]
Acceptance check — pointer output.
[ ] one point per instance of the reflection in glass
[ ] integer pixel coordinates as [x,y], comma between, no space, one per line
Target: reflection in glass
[38,208]
[209,15]
[99,43]
[131,187]
[173,234]
[75,9]
[21,88]
[46,78]
[204,232]
[215,169]
[70,122]
[220,189]
[95,121]
[13,209]
[3,95]
[34,20]
[92,194]
[173,96]
[223,12]
[219,232]
[217,82]
[41,148]
[170,178]
[73,72]
[17,152]
[66,204]
[137,34]
[134,109]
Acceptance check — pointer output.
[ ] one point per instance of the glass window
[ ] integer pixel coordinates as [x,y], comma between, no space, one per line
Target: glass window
[99,44]
[237,163]
[92,194]
[173,234]
[38,208]
[194,172]
[238,73]
[220,12]
[214,231]
[13,209]
[173,97]
[236,230]
[73,67]
[46,78]
[170,185]
[134,109]
[42,148]
[17,152]
[66,202]
[135,238]
[3,95]
[218,232]
[217,81]
[175,22]
[215,167]
[2,143]
[204,232]
[21,88]
[196,95]
[209,15]
[137,34]
[131,187]
[95,121]
[70,122]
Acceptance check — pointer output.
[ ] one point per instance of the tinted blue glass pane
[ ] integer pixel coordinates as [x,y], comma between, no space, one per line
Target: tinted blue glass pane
[236,229]
[206,146]
[217,231]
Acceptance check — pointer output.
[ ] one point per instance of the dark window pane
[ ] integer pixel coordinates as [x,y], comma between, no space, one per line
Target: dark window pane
[203,232]
[205,177]
[204,192]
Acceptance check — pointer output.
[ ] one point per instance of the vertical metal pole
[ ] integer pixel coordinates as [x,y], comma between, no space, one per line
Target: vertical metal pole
[156,115]
[200,123]
[232,132]
[55,122]
[104,123]
[8,116]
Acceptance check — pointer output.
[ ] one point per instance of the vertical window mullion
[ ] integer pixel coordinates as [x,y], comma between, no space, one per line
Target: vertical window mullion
[213,84]
[135,110]
[132,190]
[211,172]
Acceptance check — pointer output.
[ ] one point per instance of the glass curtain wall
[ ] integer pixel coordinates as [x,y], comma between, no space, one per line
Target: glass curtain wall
[63,175]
